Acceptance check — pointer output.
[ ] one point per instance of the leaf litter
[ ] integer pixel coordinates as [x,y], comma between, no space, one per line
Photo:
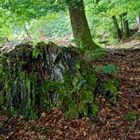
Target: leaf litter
[110,123]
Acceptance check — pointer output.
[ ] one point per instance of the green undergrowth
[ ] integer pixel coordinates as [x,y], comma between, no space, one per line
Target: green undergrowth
[46,76]
[130,116]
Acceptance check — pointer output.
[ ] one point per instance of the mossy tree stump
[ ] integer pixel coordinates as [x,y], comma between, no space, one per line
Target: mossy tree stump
[40,77]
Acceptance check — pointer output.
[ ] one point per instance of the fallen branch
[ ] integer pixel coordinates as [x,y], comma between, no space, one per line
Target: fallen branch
[131,128]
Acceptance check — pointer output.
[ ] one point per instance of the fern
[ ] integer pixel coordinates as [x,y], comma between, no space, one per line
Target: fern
[107,69]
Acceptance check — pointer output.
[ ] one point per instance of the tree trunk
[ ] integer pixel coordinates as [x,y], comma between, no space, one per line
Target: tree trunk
[118,30]
[138,21]
[80,27]
[126,29]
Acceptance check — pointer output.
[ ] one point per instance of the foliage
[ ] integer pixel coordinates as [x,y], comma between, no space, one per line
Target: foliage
[109,85]
[107,69]
[52,18]
[102,25]
[96,54]
[131,116]
[58,27]
[112,88]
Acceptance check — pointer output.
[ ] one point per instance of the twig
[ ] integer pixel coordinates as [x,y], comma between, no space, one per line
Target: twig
[131,128]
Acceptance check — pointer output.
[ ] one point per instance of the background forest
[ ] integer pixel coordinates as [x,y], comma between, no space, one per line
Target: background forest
[50,19]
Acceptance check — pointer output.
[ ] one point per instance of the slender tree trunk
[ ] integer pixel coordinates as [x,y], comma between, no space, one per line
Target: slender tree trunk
[138,21]
[116,25]
[126,29]
[80,27]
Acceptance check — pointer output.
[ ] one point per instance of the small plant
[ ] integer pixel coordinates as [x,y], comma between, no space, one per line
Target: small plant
[107,85]
[111,88]
[131,116]
[95,110]
[99,53]
[13,111]
[107,69]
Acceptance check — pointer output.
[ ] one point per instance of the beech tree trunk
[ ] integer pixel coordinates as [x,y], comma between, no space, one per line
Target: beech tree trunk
[138,21]
[126,29]
[118,30]
[80,27]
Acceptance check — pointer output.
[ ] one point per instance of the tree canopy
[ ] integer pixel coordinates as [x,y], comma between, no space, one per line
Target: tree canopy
[20,12]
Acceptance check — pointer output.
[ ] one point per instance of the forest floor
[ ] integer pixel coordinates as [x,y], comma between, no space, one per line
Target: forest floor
[118,122]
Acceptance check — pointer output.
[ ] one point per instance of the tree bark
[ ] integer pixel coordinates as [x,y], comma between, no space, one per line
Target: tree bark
[80,27]
[118,30]
[138,21]
[126,29]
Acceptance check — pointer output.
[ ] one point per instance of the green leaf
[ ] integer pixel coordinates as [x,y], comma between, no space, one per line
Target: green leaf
[35,52]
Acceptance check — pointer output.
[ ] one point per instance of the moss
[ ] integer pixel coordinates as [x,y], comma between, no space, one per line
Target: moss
[54,77]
